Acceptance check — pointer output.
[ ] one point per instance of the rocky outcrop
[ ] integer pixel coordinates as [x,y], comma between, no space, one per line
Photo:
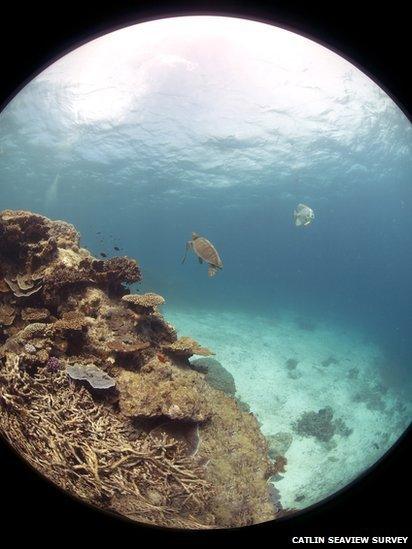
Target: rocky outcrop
[216,375]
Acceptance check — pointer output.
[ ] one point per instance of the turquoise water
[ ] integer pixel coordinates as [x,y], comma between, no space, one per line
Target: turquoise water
[222,127]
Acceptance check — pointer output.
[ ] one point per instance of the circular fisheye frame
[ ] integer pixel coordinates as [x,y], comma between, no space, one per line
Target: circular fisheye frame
[205,261]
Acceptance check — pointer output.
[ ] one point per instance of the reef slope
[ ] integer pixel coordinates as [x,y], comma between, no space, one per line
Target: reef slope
[135,430]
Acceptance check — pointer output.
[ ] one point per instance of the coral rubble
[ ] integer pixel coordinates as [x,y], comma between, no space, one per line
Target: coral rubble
[97,392]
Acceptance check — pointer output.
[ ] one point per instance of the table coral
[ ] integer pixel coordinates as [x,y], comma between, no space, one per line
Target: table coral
[143,302]
[186,347]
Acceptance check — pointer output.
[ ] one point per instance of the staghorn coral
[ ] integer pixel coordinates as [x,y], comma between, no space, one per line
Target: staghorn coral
[165,447]
[81,446]
[188,433]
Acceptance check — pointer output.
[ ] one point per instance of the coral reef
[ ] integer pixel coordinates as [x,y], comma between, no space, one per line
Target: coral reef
[97,392]
[161,389]
[216,376]
[321,425]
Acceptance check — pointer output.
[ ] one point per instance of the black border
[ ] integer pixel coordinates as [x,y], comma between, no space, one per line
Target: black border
[377,41]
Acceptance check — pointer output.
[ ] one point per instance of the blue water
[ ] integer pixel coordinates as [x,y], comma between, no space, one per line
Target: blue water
[226,146]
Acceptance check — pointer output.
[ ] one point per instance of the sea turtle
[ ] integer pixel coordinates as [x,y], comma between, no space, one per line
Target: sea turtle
[205,251]
[303,215]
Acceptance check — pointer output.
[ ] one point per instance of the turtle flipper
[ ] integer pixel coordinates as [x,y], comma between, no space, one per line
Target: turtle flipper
[212,270]
[187,247]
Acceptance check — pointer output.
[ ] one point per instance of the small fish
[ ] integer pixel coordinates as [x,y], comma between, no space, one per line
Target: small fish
[161,357]
[116,248]
[103,254]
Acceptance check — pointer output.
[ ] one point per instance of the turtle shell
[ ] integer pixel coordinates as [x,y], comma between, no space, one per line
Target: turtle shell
[206,251]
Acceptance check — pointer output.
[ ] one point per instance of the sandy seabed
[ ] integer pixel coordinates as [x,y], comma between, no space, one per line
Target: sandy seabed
[335,367]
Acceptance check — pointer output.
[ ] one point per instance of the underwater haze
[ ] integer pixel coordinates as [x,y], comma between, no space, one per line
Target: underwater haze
[222,127]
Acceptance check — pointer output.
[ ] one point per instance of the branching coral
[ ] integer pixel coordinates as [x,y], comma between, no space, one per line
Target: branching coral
[85,449]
